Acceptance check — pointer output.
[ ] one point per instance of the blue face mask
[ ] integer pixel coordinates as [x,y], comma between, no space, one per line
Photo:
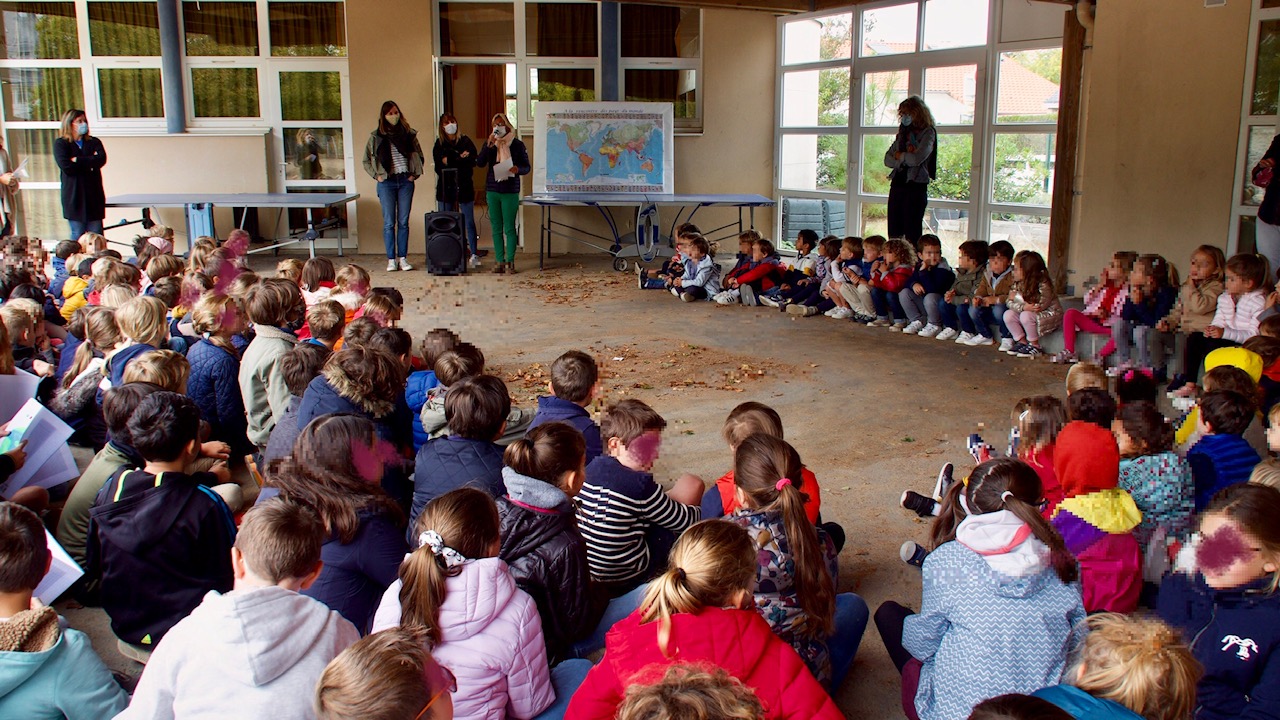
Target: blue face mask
[82,129]
[905,120]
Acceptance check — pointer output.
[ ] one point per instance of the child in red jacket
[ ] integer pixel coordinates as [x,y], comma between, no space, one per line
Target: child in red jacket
[889,275]
[764,271]
[691,614]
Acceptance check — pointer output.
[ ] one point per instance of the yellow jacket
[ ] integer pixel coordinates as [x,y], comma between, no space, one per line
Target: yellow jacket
[73,296]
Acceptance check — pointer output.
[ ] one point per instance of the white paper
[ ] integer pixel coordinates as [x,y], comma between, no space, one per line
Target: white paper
[21,171]
[44,432]
[59,468]
[502,170]
[63,572]
[15,391]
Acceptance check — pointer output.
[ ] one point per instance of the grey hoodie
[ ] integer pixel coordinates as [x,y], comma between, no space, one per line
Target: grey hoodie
[253,653]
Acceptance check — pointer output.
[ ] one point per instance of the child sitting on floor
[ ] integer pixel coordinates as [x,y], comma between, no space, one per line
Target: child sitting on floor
[1033,306]
[574,381]
[672,267]
[318,280]
[299,366]
[386,676]
[701,279]
[351,286]
[1194,310]
[1103,304]
[326,321]
[1152,473]
[922,297]
[763,275]
[989,299]
[1152,294]
[745,261]
[273,307]
[804,268]
[1236,318]
[805,295]
[889,275]
[1222,457]
[956,322]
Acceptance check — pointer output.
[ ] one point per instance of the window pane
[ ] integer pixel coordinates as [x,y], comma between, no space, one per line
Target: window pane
[36,148]
[40,93]
[815,97]
[955,23]
[949,92]
[1271,3]
[677,86]
[38,31]
[889,31]
[881,93]
[1024,232]
[42,214]
[815,162]
[310,96]
[225,92]
[124,28]
[1023,168]
[1266,78]
[1028,86]
[220,28]
[485,29]
[875,219]
[951,225]
[875,176]
[567,84]
[130,93]
[561,30]
[955,162]
[659,32]
[814,39]
[307,29]
[298,216]
[1259,140]
[315,154]
[1247,239]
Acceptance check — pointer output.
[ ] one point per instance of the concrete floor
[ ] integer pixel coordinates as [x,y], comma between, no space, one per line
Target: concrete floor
[870,411]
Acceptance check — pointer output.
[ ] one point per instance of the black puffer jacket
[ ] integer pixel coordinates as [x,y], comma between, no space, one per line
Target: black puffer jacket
[548,558]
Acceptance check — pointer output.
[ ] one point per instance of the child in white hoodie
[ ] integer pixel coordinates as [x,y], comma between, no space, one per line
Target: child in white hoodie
[257,651]
[479,624]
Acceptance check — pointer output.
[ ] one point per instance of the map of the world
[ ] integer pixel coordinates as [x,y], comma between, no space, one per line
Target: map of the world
[600,147]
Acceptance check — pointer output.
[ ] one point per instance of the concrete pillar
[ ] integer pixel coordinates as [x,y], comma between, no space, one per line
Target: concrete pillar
[175,110]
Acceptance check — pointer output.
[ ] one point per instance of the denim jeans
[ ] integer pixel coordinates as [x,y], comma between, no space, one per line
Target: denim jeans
[618,608]
[957,317]
[566,678]
[851,622]
[78,228]
[887,303]
[985,315]
[468,210]
[396,196]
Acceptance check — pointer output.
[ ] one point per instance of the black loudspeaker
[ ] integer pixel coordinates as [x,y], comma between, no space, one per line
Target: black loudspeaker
[446,244]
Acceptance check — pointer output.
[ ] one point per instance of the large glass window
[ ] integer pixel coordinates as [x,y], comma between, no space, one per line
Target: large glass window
[124,29]
[561,29]
[130,93]
[38,31]
[657,31]
[1027,89]
[484,29]
[661,50]
[220,28]
[40,94]
[225,92]
[955,23]
[307,29]
[818,39]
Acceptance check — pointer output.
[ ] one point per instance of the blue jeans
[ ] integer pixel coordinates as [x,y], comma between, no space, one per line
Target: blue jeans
[468,211]
[712,503]
[566,678]
[887,303]
[78,228]
[618,608]
[851,622]
[983,317]
[396,196]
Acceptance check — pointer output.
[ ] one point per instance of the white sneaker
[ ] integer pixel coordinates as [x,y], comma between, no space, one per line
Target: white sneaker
[831,312]
[1006,345]
[842,313]
[676,292]
[391,265]
[474,262]
[980,339]
[404,264]
[725,298]
[767,300]
[929,330]
[913,327]
[946,334]
[963,338]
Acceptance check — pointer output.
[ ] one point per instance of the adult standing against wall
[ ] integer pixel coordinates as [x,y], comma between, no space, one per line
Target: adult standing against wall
[914,165]
[507,159]
[393,157]
[455,162]
[1267,232]
[8,192]
[81,156]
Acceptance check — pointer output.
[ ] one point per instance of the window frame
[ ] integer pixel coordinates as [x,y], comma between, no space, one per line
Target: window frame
[1240,211]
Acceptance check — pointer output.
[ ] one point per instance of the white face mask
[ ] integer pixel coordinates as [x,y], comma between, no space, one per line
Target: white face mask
[905,120]
[499,130]
[451,128]
[392,119]
[82,128]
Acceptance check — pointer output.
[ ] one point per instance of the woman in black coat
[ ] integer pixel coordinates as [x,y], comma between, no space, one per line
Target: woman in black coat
[455,161]
[81,157]
[1267,230]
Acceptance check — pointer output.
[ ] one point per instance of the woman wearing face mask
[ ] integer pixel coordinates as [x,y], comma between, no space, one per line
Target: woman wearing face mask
[455,152]
[393,157]
[81,157]
[913,163]
[508,158]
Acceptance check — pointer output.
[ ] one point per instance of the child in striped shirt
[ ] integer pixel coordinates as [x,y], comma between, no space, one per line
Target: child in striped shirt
[629,523]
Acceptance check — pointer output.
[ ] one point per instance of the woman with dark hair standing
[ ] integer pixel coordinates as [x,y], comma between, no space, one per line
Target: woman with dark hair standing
[1267,230]
[81,157]
[508,158]
[914,164]
[455,162]
[393,157]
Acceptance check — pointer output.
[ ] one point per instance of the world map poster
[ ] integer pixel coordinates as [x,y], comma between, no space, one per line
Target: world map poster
[603,147]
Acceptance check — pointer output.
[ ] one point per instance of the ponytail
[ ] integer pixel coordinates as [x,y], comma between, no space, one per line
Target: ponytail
[547,452]
[769,471]
[950,514]
[1064,563]
[101,334]
[423,575]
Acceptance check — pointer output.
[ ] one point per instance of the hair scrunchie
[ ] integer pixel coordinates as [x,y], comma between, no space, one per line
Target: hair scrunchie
[680,576]
[431,539]
[1004,496]
[782,483]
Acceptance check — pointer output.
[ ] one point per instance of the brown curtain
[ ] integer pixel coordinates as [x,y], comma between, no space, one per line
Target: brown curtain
[491,98]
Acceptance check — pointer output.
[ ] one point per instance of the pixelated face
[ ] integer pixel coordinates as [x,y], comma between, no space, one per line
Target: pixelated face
[1138,277]
[1202,266]
[1017,273]
[1273,436]
[998,263]
[870,253]
[965,262]
[1227,556]
[931,255]
[370,460]
[694,253]
[757,253]
[890,257]
[642,453]
[744,247]
[1115,271]
[1236,285]
[1125,443]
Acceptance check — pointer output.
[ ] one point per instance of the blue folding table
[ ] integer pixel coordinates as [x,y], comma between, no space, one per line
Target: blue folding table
[198,208]
[649,238]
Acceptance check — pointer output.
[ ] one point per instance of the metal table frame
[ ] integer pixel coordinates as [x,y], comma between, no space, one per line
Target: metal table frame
[604,203]
[201,205]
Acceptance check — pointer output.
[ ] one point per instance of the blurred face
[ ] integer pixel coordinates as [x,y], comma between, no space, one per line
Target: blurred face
[845,253]
[965,262]
[1202,266]
[890,257]
[744,247]
[694,252]
[1116,273]
[870,253]
[1229,557]
[998,264]
[1017,272]
[1236,285]
[803,246]
[642,452]
[757,253]
[930,255]
[1126,444]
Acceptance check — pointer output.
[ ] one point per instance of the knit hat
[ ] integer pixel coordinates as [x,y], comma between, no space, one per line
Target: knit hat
[1086,459]
[1246,360]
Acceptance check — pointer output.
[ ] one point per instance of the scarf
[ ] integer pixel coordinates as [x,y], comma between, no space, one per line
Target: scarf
[503,145]
[403,143]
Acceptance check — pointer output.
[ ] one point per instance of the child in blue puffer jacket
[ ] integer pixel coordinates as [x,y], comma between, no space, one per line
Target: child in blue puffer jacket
[701,273]
[436,343]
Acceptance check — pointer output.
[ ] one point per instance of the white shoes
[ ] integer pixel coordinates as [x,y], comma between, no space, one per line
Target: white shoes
[963,338]
[929,331]
[946,334]
[842,313]
[913,327]
[1006,345]
[725,297]
[474,262]
[979,339]
[391,265]
[404,264]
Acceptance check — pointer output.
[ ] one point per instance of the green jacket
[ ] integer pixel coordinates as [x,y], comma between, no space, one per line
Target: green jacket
[966,284]
[375,169]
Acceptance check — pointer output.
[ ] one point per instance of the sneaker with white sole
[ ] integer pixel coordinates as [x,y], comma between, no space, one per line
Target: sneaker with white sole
[1006,344]
[929,331]
[964,338]
[1017,345]
[843,314]
[1027,350]
[404,264]
[919,504]
[640,273]
[689,297]
[391,265]
[879,322]
[977,340]
[897,326]
[675,291]
[945,480]
[725,298]
[946,333]
[474,262]
[748,295]
[913,554]
[769,301]
[913,327]
[801,310]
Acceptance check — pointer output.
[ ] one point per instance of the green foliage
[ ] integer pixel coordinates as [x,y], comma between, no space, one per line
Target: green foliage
[1045,63]
[955,162]
[1266,80]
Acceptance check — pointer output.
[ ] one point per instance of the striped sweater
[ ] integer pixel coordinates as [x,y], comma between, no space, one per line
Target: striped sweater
[615,508]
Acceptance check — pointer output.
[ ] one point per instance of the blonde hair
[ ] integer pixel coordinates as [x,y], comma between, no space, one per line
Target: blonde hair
[383,676]
[382,310]
[16,319]
[165,265]
[686,692]
[711,564]
[6,352]
[1267,473]
[201,249]
[96,242]
[114,296]
[209,317]
[352,276]
[166,368]
[68,131]
[289,269]
[1085,375]
[101,335]
[142,321]
[326,319]
[1140,663]
[118,273]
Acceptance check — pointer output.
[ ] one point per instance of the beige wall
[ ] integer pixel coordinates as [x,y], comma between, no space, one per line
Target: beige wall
[1161,130]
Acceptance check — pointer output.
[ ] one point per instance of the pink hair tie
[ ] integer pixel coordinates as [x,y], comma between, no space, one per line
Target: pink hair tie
[782,483]
[160,244]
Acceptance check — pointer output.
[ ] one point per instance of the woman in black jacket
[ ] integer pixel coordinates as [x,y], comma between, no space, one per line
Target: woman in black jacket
[81,157]
[1267,230]
[455,163]
[508,159]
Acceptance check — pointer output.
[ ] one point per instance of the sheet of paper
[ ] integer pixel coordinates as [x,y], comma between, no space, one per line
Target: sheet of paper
[21,171]
[15,391]
[59,468]
[44,432]
[502,170]
[63,572]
